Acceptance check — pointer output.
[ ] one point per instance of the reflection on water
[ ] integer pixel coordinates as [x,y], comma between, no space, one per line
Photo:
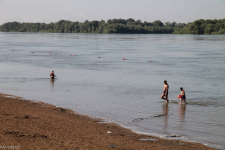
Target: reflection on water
[181,114]
[165,110]
[52,84]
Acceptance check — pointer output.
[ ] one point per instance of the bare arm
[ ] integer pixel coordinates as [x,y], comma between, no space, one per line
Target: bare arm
[182,93]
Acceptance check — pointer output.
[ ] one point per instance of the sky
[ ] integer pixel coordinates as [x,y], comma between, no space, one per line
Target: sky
[47,11]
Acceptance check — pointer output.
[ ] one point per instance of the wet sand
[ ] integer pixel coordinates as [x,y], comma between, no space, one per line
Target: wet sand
[35,125]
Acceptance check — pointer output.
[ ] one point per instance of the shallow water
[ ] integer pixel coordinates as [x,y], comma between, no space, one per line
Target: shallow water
[124,91]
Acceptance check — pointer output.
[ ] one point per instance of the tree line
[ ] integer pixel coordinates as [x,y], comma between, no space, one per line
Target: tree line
[202,26]
[119,26]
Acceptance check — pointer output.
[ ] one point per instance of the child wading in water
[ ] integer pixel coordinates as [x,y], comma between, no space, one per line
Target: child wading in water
[183,96]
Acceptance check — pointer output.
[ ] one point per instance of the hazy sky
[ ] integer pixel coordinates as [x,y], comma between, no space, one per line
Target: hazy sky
[80,10]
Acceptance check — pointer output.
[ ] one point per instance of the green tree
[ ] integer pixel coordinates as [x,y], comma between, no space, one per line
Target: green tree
[209,29]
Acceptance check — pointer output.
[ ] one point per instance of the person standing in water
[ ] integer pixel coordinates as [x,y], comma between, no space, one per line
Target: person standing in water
[165,91]
[52,75]
[183,96]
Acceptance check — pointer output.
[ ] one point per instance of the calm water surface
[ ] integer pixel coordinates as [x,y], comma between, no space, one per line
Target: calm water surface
[128,91]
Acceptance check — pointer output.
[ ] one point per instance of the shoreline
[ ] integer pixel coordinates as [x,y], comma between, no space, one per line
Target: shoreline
[38,125]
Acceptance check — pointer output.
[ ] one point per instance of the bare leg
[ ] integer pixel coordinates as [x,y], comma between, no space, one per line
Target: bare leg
[162,97]
[167,98]
[181,101]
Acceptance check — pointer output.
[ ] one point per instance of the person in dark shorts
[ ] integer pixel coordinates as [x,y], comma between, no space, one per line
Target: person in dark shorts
[165,91]
[183,96]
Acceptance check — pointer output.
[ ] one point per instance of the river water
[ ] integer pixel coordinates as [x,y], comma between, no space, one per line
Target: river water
[128,91]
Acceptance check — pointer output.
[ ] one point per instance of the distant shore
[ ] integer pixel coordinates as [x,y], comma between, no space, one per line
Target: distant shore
[128,26]
[36,125]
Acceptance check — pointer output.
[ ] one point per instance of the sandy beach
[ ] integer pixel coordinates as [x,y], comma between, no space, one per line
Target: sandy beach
[35,125]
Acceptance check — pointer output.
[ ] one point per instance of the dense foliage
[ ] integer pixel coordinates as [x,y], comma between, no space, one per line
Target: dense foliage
[202,27]
[119,26]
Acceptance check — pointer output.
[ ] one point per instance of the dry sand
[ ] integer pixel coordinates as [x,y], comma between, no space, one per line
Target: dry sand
[35,125]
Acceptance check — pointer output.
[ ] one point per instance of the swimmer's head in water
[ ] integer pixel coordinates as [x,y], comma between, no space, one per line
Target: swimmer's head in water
[181,88]
[165,82]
